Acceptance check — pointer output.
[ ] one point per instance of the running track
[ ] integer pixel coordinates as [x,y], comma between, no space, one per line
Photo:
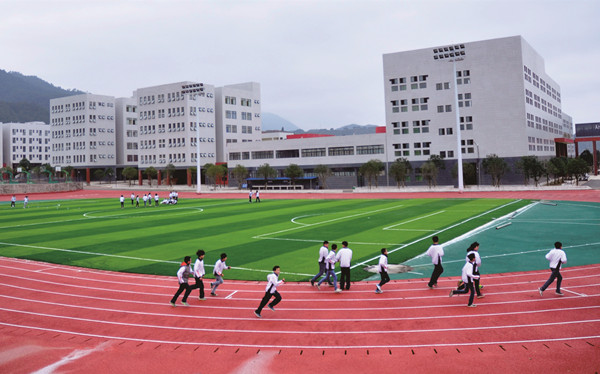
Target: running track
[67,319]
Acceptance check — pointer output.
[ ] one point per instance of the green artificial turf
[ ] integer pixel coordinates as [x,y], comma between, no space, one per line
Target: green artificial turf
[97,233]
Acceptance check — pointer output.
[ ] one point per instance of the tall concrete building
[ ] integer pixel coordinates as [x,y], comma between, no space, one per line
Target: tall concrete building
[30,140]
[171,118]
[83,131]
[126,132]
[508,105]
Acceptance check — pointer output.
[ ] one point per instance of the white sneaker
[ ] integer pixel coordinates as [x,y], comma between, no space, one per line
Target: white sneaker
[541,292]
[338,290]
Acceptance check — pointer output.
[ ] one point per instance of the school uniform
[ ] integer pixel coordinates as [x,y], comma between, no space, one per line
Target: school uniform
[382,267]
[198,274]
[257,197]
[137,201]
[557,257]
[145,198]
[344,256]
[270,291]
[476,272]
[467,277]
[323,252]
[155,199]
[436,252]
[182,276]
[122,200]
[132,198]
[250,196]
[13,201]
[330,261]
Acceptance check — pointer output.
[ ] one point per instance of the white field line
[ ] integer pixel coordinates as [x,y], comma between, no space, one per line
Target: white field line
[578,294]
[293,220]
[262,236]
[564,222]
[189,342]
[230,295]
[304,332]
[437,232]
[71,357]
[412,220]
[143,212]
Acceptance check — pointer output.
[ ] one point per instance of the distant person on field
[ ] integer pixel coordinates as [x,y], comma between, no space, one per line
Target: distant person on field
[132,198]
[137,201]
[474,249]
[383,268]
[25,201]
[557,257]
[13,201]
[250,196]
[257,196]
[344,256]
[271,291]
[323,252]
[155,199]
[199,274]
[467,278]
[220,266]
[122,201]
[436,252]
[182,276]
[145,198]
[330,261]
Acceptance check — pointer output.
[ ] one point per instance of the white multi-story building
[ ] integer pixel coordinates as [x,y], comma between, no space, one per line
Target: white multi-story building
[171,118]
[83,131]
[237,114]
[126,132]
[30,140]
[507,103]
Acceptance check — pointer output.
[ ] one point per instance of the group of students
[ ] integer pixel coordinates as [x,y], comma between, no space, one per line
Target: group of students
[327,260]
[13,201]
[185,270]
[256,194]
[147,199]
[470,275]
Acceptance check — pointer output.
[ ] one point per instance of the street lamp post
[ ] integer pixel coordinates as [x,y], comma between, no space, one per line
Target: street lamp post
[452,54]
[198,170]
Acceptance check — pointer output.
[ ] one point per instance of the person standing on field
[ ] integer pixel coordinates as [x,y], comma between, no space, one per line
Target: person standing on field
[436,252]
[271,291]
[344,256]
[132,198]
[182,276]
[250,196]
[557,257]
[382,268]
[155,199]
[122,201]
[25,201]
[257,197]
[13,201]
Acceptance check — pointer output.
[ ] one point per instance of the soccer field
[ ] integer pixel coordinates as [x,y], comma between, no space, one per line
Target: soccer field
[97,233]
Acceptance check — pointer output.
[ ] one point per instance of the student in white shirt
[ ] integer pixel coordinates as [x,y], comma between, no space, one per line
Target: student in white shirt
[330,261]
[13,201]
[271,291]
[557,257]
[474,248]
[182,276]
[122,201]
[145,198]
[155,199]
[467,278]
[436,252]
[220,266]
[132,198]
[199,273]
[257,197]
[25,201]
[344,256]
[250,196]
[323,252]
[382,268]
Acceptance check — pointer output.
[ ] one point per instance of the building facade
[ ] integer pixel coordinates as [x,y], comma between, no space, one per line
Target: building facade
[126,132]
[30,140]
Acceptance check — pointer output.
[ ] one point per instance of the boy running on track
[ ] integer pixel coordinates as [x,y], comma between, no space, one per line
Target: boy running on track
[382,268]
[182,276]
[220,266]
[323,252]
[330,261]
[474,249]
[556,257]
[271,291]
[199,274]
[436,252]
[467,278]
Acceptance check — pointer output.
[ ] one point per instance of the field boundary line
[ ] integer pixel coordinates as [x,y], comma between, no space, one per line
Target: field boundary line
[412,220]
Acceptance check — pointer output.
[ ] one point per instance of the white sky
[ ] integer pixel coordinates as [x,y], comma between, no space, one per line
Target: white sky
[319,63]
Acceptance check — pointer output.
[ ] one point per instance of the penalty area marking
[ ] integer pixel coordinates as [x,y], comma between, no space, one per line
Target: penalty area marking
[412,220]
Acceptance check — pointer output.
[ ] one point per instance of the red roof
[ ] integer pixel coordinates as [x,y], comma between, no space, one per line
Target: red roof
[303,136]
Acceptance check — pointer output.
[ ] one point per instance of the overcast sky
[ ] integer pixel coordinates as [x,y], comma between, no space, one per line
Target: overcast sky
[319,63]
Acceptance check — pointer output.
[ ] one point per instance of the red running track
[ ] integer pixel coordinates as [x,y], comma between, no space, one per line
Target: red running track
[67,319]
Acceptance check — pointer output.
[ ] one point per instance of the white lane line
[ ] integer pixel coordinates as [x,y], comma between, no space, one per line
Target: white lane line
[304,332]
[71,357]
[230,295]
[579,294]
[412,220]
[220,343]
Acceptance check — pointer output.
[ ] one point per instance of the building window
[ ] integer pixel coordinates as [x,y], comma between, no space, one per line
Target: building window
[313,152]
[369,149]
[259,155]
[341,151]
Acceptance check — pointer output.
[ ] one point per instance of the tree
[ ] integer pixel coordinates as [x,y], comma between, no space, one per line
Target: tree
[130,173]
[323,172]
[170,170]
[99,174]
[109,173]
[585,155]
[438,161]
[531,168]
[429,170]
[67,170]
[266,171]
[557,167]
[293,172]
[215,172]
[399,170]
[25,164]
[240,173]
[496,167]
[151,173]
[577,167]
[371,170]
